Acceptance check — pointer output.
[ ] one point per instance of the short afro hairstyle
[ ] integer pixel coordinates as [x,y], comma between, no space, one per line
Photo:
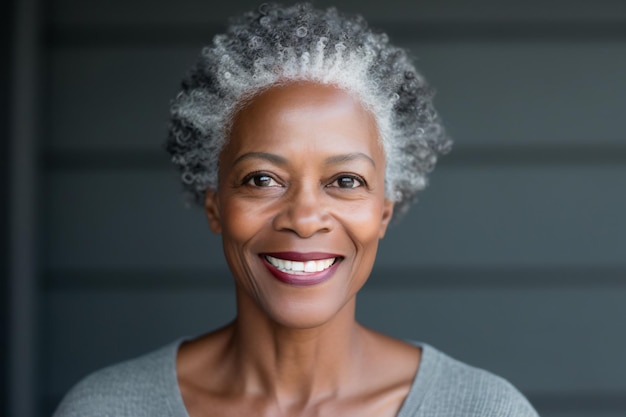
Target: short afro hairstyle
[276,45]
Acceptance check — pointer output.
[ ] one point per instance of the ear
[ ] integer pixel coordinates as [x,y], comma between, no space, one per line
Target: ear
[386,217]
[212,210]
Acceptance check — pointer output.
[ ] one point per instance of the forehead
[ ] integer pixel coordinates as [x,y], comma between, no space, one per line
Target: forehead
[304,113]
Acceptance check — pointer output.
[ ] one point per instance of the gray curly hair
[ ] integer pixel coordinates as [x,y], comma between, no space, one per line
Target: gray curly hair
[275,45]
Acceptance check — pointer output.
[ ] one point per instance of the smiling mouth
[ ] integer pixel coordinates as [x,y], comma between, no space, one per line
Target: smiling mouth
[300,267]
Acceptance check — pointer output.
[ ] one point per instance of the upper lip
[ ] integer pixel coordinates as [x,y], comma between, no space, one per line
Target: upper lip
[302,256]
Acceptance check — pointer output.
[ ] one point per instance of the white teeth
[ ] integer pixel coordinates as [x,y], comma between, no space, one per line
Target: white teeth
[300,267]
[310,266]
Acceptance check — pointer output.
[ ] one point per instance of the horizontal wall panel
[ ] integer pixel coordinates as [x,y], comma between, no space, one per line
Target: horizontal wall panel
[130,220]
[555,344]
[514,216]
[468,217]
[529,94]
[113,99]
[192,11]
[495,31]
[520,94]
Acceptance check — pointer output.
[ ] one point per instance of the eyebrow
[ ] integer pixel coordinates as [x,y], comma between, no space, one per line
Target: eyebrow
[279,160]
[349,157]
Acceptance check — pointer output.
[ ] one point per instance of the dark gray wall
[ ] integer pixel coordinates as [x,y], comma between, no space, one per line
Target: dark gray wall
[22,206]
[513,260]
[6,37]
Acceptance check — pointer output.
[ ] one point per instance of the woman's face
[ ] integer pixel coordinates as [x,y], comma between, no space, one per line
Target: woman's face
[301,202]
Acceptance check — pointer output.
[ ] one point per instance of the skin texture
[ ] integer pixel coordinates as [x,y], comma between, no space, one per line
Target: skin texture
[303,172]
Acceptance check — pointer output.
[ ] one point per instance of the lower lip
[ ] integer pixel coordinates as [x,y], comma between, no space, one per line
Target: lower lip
[301,280]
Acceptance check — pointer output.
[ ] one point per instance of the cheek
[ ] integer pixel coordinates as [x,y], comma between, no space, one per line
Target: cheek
[238,222]
[364,223]
[242,220]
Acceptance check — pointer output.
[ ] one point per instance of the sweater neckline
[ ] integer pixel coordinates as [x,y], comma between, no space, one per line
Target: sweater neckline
[429,362]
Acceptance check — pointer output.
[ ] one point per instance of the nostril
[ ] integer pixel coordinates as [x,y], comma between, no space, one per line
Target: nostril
[305,217]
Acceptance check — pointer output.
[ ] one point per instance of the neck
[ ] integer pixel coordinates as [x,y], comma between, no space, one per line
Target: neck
[296,365]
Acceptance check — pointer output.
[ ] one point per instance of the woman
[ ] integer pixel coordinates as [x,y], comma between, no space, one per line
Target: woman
[301,132]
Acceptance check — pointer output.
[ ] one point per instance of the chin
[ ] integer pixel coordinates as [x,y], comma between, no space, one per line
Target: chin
[297,311]
[304,317]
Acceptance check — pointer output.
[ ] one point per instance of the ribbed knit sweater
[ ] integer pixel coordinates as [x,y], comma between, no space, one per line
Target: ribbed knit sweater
[148,387]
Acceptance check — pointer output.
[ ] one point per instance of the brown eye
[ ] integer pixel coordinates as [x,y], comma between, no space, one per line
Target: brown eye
[261,180]
[347,181]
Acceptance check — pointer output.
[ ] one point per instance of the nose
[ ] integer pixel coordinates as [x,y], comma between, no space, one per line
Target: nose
[304,211]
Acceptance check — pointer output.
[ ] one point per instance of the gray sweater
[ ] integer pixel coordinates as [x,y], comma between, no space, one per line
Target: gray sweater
[147,387]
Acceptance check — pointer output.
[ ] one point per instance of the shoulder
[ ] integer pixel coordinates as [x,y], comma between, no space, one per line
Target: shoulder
[464,390]
[138,387]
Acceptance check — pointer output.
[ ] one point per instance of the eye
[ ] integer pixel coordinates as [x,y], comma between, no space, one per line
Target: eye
[260,180]
[347,181]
